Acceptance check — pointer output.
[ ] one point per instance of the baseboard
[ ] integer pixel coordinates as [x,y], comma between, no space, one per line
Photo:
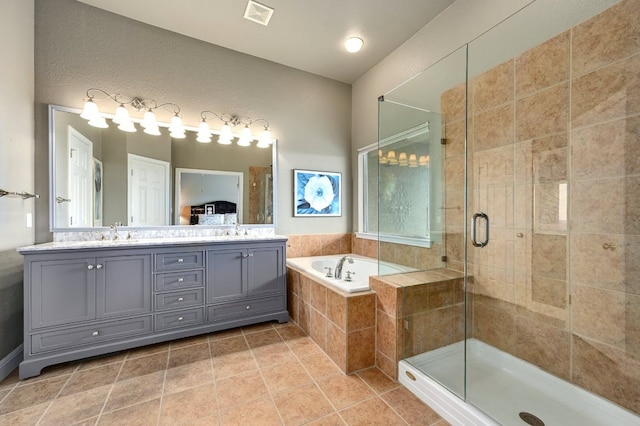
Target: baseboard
[10,362]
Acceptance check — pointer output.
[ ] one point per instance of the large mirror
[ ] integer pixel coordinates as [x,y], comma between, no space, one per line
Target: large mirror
[99,177]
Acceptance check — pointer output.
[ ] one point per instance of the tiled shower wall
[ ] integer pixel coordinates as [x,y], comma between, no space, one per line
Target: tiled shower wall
[554,160]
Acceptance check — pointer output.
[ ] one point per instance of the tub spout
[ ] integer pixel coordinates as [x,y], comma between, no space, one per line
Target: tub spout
[338,273]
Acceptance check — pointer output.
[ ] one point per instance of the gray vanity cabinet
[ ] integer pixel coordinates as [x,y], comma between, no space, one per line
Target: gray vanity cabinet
[84,302]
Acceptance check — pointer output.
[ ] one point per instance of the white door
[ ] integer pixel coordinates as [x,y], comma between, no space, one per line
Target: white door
[148,194]
[80,180]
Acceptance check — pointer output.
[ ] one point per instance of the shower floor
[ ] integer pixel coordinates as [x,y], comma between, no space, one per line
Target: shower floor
[503,386]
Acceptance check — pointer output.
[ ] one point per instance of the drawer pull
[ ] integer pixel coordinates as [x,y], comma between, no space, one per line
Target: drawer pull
[248,307]
[99,266]
[180,299]
[180,260]
[95,333]
[89,267]
[180,280]
[180,319]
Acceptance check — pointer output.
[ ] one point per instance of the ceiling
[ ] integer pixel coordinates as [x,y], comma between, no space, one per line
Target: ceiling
[303,34]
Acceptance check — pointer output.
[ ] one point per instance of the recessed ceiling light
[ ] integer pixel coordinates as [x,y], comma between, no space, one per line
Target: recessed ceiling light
[353,44]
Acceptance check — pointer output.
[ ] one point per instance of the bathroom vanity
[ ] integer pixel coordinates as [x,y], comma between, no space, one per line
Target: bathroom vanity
[88,298]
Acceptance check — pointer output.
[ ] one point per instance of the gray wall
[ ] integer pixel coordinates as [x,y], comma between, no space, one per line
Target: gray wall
[78,47]
[16,162]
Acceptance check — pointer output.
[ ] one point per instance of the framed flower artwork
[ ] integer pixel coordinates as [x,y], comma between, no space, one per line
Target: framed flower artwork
[317,193]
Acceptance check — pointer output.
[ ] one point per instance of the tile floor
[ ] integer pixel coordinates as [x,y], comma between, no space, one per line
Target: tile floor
[259,375]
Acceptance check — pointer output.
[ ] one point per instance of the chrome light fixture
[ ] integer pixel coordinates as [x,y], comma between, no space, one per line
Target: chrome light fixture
[150,125]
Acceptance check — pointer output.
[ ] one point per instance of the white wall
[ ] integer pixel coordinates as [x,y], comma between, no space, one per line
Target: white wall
[16,166]
[16,120]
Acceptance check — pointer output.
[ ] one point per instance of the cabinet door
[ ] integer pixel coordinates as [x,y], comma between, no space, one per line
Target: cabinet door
[124,285]
[226,275]
[266,271]
[62,292]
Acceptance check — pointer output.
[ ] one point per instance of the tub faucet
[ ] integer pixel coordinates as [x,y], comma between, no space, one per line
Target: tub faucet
[338,273]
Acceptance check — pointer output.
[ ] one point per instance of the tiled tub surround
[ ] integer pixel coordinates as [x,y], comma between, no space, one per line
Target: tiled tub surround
[416,312]
[559,291]
[342,324]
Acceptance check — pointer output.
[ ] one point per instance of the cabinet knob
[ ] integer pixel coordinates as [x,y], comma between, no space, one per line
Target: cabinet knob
[180,299]
[180,260]
[89,266]
[180,318]
[99,266]
[248,307]
[95,333]
[180,279]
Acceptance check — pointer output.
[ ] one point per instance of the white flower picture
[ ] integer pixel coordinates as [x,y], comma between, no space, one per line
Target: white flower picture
[317,193]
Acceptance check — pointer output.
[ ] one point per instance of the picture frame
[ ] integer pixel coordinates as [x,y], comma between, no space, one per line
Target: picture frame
[98,179]
[209,209]
[317,193]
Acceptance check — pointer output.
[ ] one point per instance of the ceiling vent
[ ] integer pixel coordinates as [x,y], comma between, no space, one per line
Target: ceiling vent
[257,12]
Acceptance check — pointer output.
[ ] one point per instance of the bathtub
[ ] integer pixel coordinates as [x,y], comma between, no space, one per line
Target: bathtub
[361,269]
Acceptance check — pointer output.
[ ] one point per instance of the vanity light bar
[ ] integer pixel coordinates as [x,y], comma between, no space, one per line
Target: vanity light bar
[125,123]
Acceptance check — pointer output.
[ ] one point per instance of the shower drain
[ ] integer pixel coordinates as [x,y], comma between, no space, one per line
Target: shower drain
[530,419]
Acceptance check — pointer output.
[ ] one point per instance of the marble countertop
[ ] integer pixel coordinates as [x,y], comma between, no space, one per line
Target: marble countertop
[134,243]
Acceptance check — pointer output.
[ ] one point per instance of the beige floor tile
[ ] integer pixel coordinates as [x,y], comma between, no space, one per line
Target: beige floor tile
[240,388]
[188,406]
[319,366]
[330,420]
[371,412]
[228,346]
[102,360]
[188,376]
[284,376]
[290,331]
[76,407]
[304,347]
[225,334]
[263,338]
[344,391]
[90,379]
[135,390]
[258,412]
[189,341]
[233,364]
[135,415]
[148,350]
[10,381]
[378,381]
[302,404]
[144,365]
[273,354]
[410,408]
[257,327]
[205,421]
[26,417]
[188,354]
[27,395]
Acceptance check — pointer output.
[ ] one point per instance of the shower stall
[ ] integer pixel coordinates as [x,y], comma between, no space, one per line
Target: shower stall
[531,134]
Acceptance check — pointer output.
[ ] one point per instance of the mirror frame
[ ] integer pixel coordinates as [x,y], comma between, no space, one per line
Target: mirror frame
[52,108]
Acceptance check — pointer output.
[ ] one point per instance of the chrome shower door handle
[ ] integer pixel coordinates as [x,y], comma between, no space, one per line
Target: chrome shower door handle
[474,221]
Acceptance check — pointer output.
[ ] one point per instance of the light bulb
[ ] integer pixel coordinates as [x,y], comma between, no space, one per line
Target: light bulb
[353,44]
[149,119]
[98,122]
[245,137]
[122,115]
[402,159]
[90,110]
[204,133]
[177,134]
[127,126]
[152,130]
[391,157]
[224,140]
[265,139]
[413,162]
[225,133]
[176,124]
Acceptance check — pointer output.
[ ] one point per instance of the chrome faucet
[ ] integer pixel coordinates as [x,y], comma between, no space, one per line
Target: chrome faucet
[338,273]
[114,228]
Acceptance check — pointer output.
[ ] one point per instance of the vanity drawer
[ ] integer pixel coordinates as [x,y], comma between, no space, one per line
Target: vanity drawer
[90,335]
[246,308]
[179,260]
[179,299]
[181,318]
[179,280]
